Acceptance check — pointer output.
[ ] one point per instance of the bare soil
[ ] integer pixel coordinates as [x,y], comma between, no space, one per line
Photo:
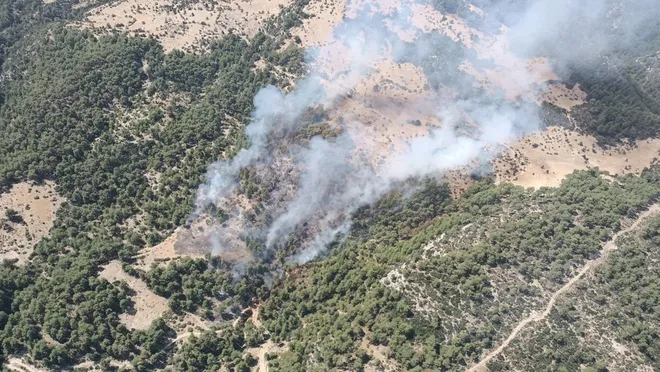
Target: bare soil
[186,27]
[546,158]
[161,253]
[37,206]
[148,305]
[196,240]
[560,96]
[317,30]
[18,365]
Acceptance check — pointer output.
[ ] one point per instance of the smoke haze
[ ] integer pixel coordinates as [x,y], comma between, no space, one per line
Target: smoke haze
[314,186]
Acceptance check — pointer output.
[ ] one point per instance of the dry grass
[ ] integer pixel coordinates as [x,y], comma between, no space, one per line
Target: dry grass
[317,30]
[94,367]
[381,111]
[184,29]
[206,235]
[560,96]
[37,205]
[18,365]
[196,240]
[163,252]
[545,158]
[148,305]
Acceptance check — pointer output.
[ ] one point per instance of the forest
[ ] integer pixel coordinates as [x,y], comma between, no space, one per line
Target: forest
[344,300]
[62,114]
[126,131]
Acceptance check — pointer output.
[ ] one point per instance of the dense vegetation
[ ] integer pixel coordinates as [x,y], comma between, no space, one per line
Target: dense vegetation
[127,131]
[99,115]
[620,300]
[459,296]
[190,283]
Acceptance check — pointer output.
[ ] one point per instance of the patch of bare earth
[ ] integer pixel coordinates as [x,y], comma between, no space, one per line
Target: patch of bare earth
[18,365]
[386,110]
[160,253]
[207,236]
[563,97]
[259,353]
[36,206]
[148,305]
[546,158]
[317,30]
[183,27]
[203,236]
[92,366]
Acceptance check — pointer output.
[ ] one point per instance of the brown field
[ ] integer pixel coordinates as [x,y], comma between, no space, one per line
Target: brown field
[15,364]
[562,97]
[545,158]
[183,28]
[37,205]
[95,367]
[163,252]
[195,241]
[317,30]
[381,111]
[148,305]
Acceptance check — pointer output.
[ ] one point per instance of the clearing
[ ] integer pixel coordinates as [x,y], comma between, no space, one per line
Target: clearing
[148,305]
[163,252]
[179,26]
[18,365]
[196,240]
[35,207]
[545,158]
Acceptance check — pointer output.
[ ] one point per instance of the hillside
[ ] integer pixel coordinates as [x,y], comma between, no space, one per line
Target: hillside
[314,185]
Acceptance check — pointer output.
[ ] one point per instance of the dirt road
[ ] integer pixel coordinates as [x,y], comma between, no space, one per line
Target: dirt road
[535,316]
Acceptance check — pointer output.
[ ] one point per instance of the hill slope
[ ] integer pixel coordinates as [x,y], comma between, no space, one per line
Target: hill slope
[313,185]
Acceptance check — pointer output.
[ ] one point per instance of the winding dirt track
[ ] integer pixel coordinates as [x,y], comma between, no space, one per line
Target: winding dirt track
[535,316]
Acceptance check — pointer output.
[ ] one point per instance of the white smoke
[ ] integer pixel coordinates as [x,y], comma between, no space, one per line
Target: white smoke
[331,182]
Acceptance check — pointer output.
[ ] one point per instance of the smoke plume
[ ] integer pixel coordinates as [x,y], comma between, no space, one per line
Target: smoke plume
[307,188]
